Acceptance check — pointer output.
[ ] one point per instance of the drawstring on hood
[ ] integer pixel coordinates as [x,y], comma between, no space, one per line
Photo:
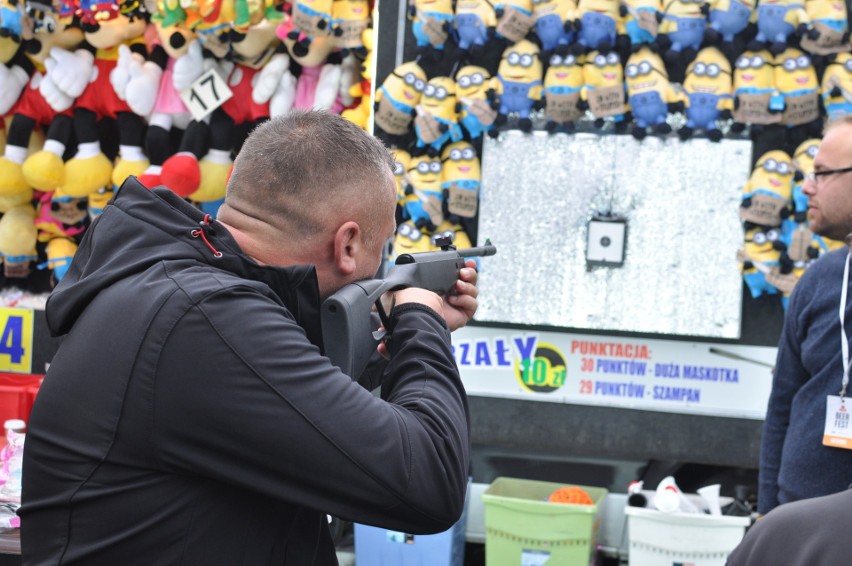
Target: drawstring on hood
[205,223]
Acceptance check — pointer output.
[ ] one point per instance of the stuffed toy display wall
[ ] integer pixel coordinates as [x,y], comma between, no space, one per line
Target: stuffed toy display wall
[167,91]
[766,71]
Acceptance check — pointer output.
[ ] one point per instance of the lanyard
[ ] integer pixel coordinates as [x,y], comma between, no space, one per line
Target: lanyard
[844,342]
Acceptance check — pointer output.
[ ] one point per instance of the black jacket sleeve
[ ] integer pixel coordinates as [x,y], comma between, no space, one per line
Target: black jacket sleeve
[259,407]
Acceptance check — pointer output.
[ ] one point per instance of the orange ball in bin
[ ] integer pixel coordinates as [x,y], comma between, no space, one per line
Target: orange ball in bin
[573,494]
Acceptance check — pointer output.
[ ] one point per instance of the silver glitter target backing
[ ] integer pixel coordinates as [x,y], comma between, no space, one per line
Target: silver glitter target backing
[680,200]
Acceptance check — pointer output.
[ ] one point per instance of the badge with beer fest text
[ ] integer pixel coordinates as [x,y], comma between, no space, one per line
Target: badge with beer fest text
[838,433]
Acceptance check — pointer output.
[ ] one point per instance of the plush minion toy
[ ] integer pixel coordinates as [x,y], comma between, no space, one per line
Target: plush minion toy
[404,190]
[649,92]
[519,83]
[11,19]
[461,179]
[437,119]
[598,24]
[728,18]
[640,21]
[604,91]
[767,193]
[682,24]
[450,228]
[803,163]
[828,27]
[397,97]
[349,20]
[836,87]
[18,237]
[708,93]
[475,90]
[563,82]
[796,80]
[756,100]
[432,21]
[761,259]
[777,20]
[427,209]
[514,19]
[475,23]
[409,239]
[553,24]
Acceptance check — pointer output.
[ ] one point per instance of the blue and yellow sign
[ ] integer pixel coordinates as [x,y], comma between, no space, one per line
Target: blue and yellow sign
[16,340]
[544,371]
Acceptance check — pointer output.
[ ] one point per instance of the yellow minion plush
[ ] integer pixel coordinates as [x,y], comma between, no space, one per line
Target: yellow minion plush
[461,177]
[836,87]
[604,91]
[519,83]
[398,96]
[563,82]
[708,93]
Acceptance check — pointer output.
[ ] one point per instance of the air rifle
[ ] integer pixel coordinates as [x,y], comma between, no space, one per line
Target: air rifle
[349,338]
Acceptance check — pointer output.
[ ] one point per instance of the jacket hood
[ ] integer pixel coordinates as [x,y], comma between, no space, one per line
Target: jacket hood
[142,227]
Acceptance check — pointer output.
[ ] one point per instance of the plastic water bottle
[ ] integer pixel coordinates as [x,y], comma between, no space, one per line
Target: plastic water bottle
[12,456]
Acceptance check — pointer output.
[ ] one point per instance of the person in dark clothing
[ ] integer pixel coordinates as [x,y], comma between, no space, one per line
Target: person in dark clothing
[189,416]
[812,532]
[795,461]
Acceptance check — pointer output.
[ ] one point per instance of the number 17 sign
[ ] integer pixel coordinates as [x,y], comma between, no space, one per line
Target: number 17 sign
[206,94]
[16,340]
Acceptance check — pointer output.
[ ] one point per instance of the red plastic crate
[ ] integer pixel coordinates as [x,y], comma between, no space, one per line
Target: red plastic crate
[17,395]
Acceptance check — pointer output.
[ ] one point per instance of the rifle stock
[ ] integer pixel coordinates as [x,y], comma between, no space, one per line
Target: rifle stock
[348,334]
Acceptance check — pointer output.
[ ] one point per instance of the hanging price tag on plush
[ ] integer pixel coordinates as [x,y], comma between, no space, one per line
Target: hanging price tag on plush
[16,340]
[206,94]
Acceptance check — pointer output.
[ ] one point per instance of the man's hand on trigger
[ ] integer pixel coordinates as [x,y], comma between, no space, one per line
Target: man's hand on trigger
[460,304]
[411,295]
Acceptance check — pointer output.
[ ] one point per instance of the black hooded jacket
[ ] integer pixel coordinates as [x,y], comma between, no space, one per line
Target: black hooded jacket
[190,418]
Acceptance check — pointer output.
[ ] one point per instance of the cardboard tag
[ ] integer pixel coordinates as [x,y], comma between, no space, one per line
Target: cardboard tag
[801,109]
[429,129]
[206,94]
[351,36]
[392,120]
[432,205]
[607,101]
[783,282]
[829,41]
[647,21]
[514,25]
[20,270]
[434,30]
[764,210]
[462,202]
[754,109]
[837,433]
[562,108]
[309,25]
[800,244]
[480,108]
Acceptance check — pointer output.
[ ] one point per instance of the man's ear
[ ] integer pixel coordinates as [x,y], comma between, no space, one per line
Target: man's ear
[348,241]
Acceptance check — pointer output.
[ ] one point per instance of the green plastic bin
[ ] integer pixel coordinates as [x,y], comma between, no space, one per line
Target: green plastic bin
[523,528]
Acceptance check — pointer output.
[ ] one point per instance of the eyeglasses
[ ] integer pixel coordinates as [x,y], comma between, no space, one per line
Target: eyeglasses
[814,176]
[411,80]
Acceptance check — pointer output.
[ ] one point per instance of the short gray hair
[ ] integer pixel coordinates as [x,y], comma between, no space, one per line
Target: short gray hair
[300,165]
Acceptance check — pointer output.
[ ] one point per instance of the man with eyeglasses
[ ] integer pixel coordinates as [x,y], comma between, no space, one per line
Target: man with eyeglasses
[805,449]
